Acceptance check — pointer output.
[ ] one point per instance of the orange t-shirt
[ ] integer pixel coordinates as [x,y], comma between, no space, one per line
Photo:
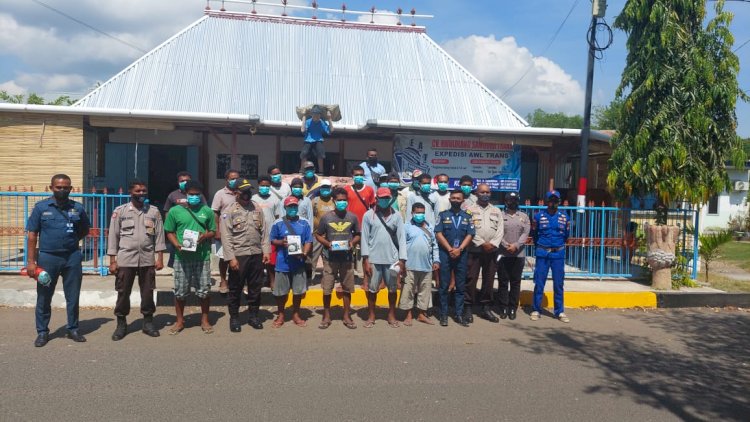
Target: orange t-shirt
[356,206]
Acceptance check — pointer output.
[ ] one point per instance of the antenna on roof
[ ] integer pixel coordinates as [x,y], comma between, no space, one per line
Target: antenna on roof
[253,11]
[315,9]
[343,12]
[283,13]
[398,12]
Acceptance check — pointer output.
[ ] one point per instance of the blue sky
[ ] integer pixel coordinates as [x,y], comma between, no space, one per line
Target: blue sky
[44,52]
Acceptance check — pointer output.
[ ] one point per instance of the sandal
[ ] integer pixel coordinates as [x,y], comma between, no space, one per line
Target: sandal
[325,324]
[350,325]
[207,330]
[301,323]
[393,324]
[369,324]
[277,323]
[563,318]
[174,331]
[534,316]
[408,323]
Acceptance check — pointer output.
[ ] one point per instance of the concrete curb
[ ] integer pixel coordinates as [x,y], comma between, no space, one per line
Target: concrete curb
[694,300]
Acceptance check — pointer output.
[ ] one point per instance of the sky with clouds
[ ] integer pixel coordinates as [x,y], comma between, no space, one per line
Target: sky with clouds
[499,41]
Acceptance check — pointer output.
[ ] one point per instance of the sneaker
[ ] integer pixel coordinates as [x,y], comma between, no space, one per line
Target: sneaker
[534,316]
[564,318]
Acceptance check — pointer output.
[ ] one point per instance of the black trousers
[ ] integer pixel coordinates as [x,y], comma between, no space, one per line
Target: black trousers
[250,273]
[484,261]
[509,272]
[124,285]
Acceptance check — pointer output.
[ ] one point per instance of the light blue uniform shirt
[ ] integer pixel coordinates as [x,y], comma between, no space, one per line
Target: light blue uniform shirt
[378,168]
[421,249]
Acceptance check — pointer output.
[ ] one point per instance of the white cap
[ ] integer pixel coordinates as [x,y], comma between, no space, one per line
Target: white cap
[326,182]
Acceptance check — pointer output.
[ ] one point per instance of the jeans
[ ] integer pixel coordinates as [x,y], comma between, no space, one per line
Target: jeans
[69,266]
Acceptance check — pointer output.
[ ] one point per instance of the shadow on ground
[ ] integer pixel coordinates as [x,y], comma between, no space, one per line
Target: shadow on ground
[704,374]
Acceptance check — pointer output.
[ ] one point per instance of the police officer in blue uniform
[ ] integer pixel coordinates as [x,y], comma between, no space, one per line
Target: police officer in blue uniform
[59,224]
[454,232]
[550,229]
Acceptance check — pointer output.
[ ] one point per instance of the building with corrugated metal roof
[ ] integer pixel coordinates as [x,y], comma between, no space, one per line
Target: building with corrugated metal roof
[222,92]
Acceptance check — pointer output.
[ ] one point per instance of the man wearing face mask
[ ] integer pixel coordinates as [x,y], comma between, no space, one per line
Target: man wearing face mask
[269,202]
[246,248]
[177,197]
[403,194]
[466,184]
[309,179]
[550,229]
[314,128]
[488,224]
[516,227]
[305,205]
[192,268]
[279,188]
[383,251]
[59,224]
[338,232]
[393,182]
[361,198]
[441,197]
[454,232]
[425,196]
[223,199]
[321,205]
[422,259]
[373,169]
[136,233]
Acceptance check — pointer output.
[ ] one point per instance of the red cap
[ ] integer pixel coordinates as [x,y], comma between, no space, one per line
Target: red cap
[291,200]
[384,193]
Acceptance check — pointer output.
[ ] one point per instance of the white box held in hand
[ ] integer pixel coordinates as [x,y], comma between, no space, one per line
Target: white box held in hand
[339,245]
[294,244]
[190,240]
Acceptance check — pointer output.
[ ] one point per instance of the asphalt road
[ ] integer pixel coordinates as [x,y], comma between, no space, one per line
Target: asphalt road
[690,364]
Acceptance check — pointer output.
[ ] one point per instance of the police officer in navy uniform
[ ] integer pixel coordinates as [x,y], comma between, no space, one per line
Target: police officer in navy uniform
[454,232]
[550,229]
[58,223]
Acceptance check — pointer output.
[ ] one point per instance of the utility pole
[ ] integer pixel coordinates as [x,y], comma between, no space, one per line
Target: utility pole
[598,8]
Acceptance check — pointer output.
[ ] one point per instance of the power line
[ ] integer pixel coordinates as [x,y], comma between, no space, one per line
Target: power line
[45,5]
[557,32]
[744,43]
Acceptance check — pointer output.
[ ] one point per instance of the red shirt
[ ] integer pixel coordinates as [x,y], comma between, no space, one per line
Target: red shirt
[355,205]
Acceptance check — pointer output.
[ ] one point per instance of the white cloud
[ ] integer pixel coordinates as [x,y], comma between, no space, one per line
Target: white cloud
[501,63]
[12,88]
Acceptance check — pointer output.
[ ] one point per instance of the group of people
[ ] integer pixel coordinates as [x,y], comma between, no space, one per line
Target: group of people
[396,237]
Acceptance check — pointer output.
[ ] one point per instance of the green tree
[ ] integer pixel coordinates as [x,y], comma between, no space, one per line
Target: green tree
[709,246]
[33,98]
[679,91]
[607,117]
[540,118]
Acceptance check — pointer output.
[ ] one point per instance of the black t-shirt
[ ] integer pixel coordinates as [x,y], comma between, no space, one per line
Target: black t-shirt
[335,228]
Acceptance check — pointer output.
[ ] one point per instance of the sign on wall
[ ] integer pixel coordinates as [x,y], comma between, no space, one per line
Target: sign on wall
[493,162]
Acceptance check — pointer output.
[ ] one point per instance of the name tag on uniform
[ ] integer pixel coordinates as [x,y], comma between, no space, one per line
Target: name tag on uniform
[69,227]
[456,243]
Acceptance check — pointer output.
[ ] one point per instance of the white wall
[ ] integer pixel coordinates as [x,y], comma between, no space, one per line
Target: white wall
[730,203]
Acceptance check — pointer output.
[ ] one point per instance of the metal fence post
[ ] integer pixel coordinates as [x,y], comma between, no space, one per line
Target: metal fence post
[696,240]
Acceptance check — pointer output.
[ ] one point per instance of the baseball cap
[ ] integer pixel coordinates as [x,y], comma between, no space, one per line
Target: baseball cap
[552,193]
[245,186]
[384,193]
[416,173]
[291,200]
[511,195]
[309,165]
[326,182]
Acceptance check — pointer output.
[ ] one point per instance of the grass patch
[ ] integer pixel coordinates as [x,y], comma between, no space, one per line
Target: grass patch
[736,253]
[726,284]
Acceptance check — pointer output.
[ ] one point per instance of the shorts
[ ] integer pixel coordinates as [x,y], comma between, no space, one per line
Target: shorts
[314,147]
[296,281]
[218,249]
[341,271]
[192,275]
[381,271]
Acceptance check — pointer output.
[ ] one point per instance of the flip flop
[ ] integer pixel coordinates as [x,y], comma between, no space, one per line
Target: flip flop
[209,330]
[174,331]
[393,324]
[350,325]
[300,323]
[277,323]
[408,323]
[369,324]
[325,324]
[427,321]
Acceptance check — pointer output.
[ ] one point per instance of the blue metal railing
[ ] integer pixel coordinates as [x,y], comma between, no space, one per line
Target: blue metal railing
[15,208]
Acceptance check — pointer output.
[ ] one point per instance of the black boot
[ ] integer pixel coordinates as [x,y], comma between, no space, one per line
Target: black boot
[253,319]
[121,330]
[512,313]
[488,315]
[148,326]
[468,316]
[234,324]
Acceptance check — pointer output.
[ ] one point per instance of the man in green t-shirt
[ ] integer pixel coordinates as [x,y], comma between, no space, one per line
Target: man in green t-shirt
[190,228]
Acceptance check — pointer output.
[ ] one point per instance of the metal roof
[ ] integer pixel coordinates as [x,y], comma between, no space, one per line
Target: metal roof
[241,64]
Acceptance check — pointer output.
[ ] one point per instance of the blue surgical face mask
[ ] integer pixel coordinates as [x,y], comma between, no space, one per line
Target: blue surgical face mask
[418,218]
[325,193]
[466,189]
[309,174]
[384,202]
[182,185]
[394,185]
[264,190]
[297,192]
[358,180]
[415,185]
[193,200]
[276,178]
[341,205]
[442,187]
[426,188]
[232,183]
[291,211]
